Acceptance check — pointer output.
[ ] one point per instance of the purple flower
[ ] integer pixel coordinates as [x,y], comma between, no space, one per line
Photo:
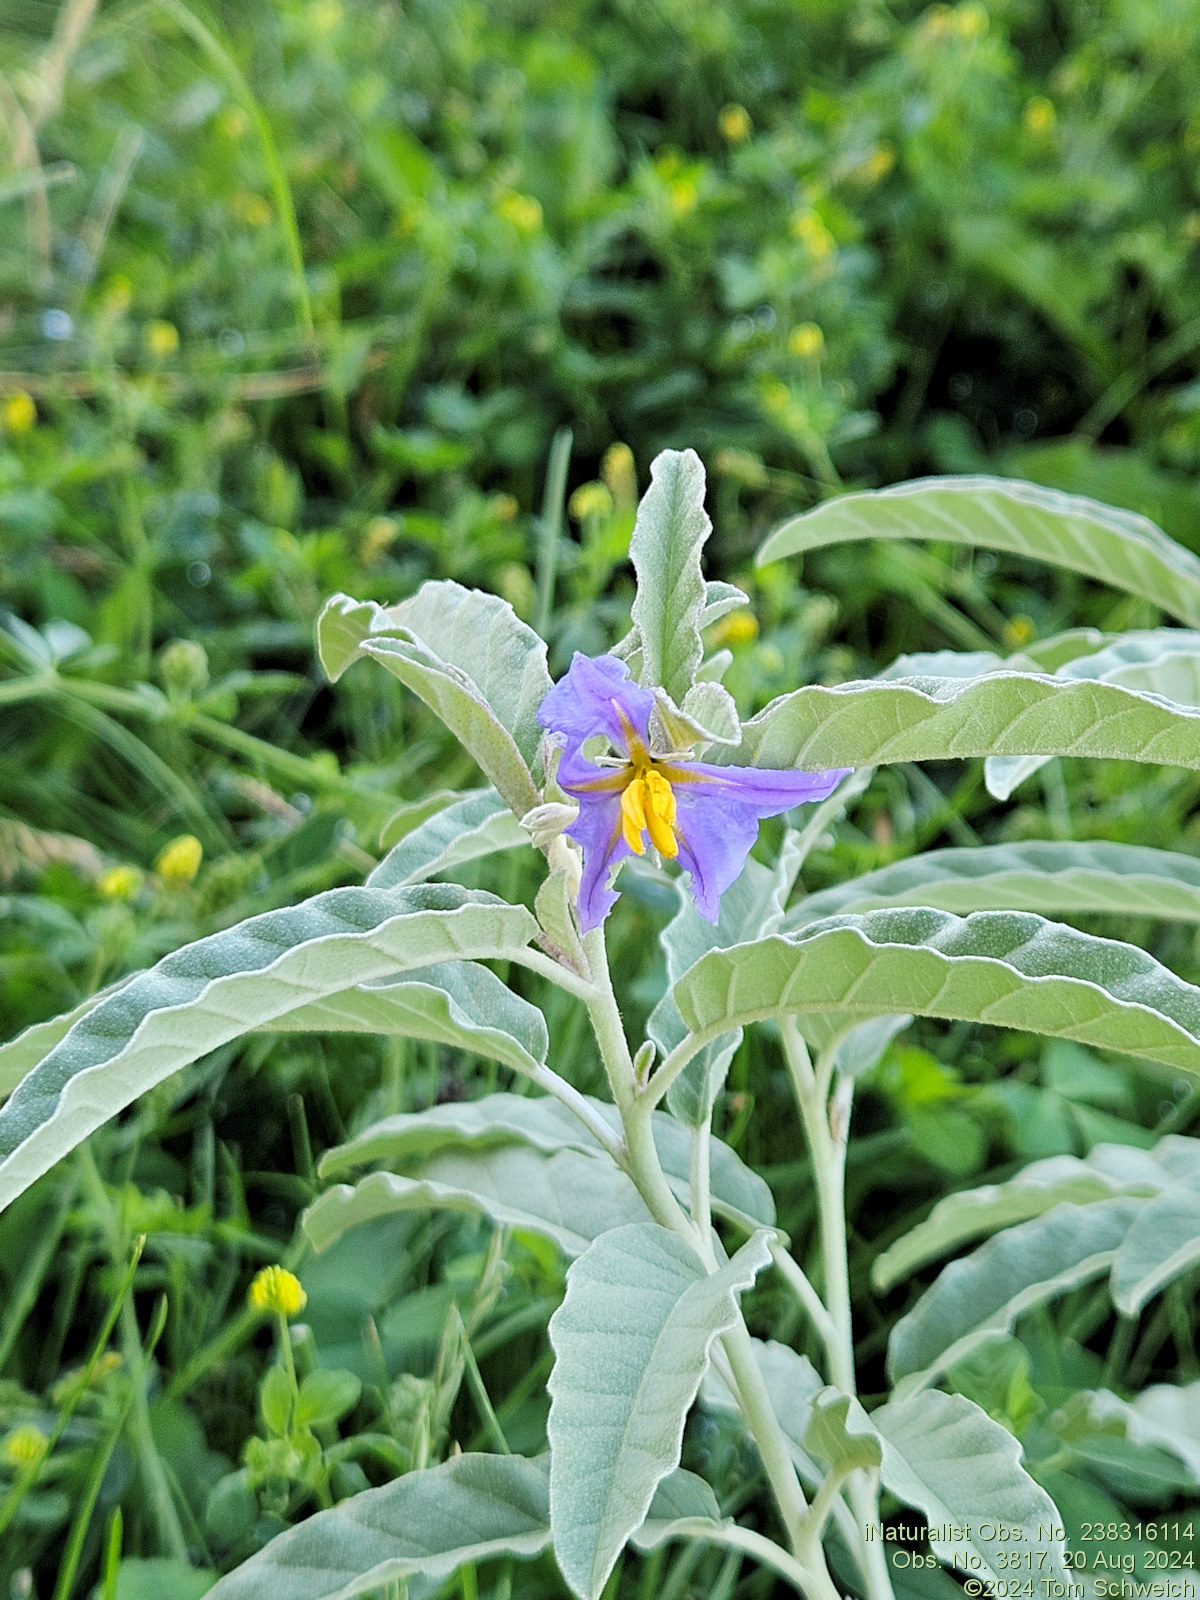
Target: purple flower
[704,817]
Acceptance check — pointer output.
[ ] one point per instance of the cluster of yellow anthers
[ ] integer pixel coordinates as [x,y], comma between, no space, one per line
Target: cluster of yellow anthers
[648,805]
[276,1289]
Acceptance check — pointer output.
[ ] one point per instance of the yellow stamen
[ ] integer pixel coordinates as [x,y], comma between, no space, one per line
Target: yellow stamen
[660,814]
[633,814]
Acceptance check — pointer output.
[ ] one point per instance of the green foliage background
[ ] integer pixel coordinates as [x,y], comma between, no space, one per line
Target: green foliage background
[293,298]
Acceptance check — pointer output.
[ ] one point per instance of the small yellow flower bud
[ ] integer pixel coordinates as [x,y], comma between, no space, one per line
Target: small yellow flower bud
[734,123]
[277,1289]
[970,21]
[739,627]
[120,883]
[806,341]
[812,233]
[619,473]
[682,195]
[161,338]
[590,500]
[24,1446]
[18,412]
[522,210]
[179,861]
[1039,116]
[1018,631]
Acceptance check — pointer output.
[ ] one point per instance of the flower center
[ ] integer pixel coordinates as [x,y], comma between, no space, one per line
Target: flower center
[648,806]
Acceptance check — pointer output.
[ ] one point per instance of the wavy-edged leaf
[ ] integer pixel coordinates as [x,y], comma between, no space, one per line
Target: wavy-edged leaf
[457,1003]
[424,1525]
[547,1125]
[1113,546]
[568,1197]
[944,1456]
[1007,969]
[981,1296]
[223,986]
[1161,1422]
[22,1053]
[1163,1242]
[992,1206]
[869,723]
[469,657]
[792,1382]
[1041,875]
[631,1343]
[670,532]
[1168,1415]
[480,824]
[838,1431]
[1162,661]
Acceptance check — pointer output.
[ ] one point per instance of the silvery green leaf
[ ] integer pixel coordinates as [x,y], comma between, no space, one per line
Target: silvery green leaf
[480,824]
[469,657]
[1054,878]
[1007,969]
[21,1054]
[838,1431]
[861,1047]
[981,1296]
[1033,1192]
[672,526]
[711,710]
[631,1343]
[223,986]
[1162,1419]
[944,1456]
[792,1382]
[404,1141]
[1163,1243]
[1168,1415]
[421,1527]
[553,906]
[939,719]
[719,600]
[1113,546]
[1164,662]
[568,1197]
[457,1003]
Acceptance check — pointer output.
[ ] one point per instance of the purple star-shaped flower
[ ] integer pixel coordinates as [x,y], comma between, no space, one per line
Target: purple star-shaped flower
[705,817]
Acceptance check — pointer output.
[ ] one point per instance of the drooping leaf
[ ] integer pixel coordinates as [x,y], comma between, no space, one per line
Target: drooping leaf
[1162,661]
[839,1433]
[546,1125]
[1041,875]
[670,532]
[554,907]
[1113,546]
[21,1054]
[981,1296]
[223,986]
[1008,969]
[972,1212]
[1163,1242]
[467,655]
[480,824]
[631,1342]
[684,1506]
[424,1525]
[457,1003]
[944,1456]
[567,1197]
[938,719]
[1155,1441]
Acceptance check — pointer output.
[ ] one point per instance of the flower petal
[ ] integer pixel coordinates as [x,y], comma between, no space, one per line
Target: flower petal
[597,829]
[719,809]
[590,699]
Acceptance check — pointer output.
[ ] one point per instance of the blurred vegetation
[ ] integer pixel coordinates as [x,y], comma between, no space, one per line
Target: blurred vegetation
[295,298]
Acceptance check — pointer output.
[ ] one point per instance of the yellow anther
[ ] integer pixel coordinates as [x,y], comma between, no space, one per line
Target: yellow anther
[660,814]
[633,815]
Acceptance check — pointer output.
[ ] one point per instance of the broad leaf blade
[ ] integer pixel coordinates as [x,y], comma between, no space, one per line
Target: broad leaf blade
[480,824]
[425,1525]
[1163,1242]
[1007,969]
[981,1296]
[944,1456]
[1045,876]
[972,1212]
[672,526]
[569,1198]
[227,984]
[459,1004]
[631,1342]
[1113,546]
[938,719]
[546,1125]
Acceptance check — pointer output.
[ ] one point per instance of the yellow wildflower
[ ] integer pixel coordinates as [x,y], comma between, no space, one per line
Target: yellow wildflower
[590,500]
[120,882]
[161,338]
[806,341]
[18,412]
[24,1446]
[1039,116]
[522,210]
[734,123]
[277,1289]
[179,861]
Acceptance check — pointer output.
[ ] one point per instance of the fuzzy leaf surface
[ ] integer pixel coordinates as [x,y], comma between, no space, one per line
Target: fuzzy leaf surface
[1113,546]
[671,529]
[981,1296]
[1163,1243]
[631,1343]
[224,986]
[1007,969]
[1042,875]
[480,824]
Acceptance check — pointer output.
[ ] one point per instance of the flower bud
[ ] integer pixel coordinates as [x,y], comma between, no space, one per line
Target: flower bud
[277,1289]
